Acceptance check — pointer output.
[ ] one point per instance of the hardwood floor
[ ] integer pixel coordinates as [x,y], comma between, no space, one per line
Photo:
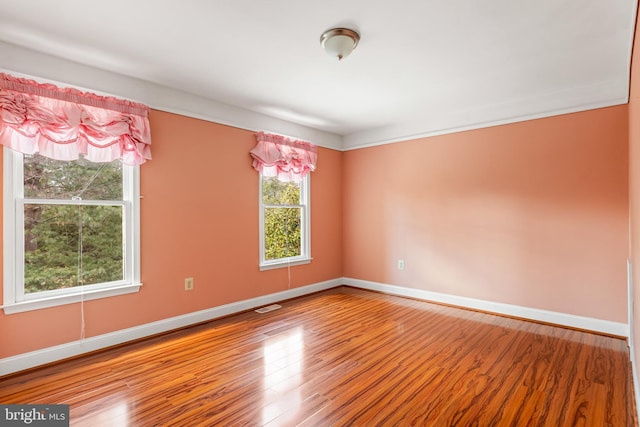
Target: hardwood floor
[346,357]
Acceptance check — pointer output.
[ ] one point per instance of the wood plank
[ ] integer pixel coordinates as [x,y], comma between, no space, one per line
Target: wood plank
[347,357]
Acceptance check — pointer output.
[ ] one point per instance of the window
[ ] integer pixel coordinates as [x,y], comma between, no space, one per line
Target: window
[283,165]
[284,222]
[70,230]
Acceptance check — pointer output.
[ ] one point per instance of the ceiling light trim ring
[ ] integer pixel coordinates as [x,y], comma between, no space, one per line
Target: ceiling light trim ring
[340,32]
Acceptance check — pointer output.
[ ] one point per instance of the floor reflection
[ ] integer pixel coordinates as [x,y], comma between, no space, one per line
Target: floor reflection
[115,414]
[283,359]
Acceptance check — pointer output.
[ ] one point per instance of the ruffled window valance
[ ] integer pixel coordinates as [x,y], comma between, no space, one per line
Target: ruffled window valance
[285,158]
[62,123]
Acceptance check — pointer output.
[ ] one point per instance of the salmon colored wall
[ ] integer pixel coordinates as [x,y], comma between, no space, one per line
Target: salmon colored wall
[199,218]
[533,214]
[634,191]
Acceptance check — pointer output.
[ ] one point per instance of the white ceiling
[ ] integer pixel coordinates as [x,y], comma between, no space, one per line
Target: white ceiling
[422,66]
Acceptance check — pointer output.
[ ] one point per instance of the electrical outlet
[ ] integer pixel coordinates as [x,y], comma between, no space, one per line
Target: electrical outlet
[188,284]
[400,264]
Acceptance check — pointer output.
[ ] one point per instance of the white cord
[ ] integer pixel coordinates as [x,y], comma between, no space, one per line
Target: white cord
[80,275]
[288,255]
[80,270]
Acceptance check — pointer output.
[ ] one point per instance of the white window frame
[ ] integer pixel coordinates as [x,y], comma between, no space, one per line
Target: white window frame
[14,298]
[305,229]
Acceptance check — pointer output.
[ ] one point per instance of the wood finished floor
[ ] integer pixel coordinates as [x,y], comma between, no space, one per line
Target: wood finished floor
[346,357]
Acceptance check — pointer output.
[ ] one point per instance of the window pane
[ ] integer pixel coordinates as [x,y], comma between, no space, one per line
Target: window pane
[54,179]
[54,256]
[282,232]
[275,192]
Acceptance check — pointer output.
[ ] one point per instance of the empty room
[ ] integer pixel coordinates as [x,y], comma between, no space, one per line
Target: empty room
[355,213]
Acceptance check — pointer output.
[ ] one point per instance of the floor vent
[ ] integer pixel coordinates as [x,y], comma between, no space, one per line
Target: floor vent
[268,308]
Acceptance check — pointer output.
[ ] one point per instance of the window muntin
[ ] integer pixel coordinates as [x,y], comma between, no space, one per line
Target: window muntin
[284,222]
[71,228]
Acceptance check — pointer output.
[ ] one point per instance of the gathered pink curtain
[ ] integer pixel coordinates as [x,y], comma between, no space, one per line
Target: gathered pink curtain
[285,158]
[62,123]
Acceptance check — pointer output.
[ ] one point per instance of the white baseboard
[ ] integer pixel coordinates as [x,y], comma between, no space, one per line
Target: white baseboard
[52,354]
[561,319]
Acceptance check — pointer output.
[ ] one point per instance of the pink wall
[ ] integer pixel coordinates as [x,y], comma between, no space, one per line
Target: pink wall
[199,219]
[634,190]
[533,214]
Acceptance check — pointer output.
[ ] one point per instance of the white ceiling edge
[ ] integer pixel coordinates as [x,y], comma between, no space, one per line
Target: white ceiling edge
[24,62]
[546,105]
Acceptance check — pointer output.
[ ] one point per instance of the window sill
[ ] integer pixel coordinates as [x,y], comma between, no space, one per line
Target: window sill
[284,264]
[37,304]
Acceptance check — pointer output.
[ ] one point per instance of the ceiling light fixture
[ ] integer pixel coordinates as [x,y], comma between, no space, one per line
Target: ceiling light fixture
[339,42]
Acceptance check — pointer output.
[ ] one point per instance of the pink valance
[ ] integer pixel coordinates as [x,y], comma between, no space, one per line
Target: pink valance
[282,157]
[62,123]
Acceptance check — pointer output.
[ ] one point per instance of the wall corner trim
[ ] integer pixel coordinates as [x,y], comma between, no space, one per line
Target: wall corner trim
[526,313]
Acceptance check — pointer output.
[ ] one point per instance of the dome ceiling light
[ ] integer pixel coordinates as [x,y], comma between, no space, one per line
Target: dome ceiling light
[339,42]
